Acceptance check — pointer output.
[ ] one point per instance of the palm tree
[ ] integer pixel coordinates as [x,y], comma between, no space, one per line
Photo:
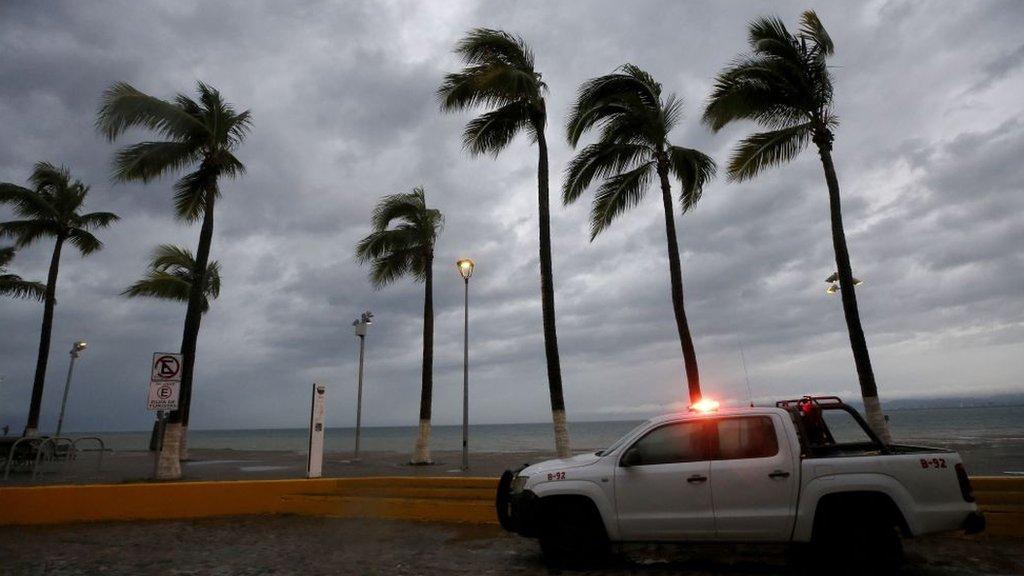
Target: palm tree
[500,74]
[633,146]
[199,136]
[50,208]
[407,249]
[170,276]
[784,84]
[13,285]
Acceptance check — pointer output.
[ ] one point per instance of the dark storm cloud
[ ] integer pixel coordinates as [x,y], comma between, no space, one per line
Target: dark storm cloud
[342,95]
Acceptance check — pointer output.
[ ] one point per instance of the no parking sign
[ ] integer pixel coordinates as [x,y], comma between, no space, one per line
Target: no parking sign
[164,381]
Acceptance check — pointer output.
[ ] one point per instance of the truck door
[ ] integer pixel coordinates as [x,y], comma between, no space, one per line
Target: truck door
[662,485]
[754,479]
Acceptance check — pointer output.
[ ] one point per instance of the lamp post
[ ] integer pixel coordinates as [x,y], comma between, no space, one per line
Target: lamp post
[465,270]
[360,325]
[76,350]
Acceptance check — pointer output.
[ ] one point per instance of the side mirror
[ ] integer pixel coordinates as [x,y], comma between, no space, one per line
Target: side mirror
[631,458]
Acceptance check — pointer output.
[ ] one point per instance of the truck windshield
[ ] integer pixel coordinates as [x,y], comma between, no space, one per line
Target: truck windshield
[619,442]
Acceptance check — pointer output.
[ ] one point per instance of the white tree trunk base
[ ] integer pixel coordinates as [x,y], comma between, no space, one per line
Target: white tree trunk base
[168,464]
[183,452]
[876,419]
[561,434]
[31,432]
[421,455]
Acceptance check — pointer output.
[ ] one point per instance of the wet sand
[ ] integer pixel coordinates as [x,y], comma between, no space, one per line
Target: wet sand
[315,546]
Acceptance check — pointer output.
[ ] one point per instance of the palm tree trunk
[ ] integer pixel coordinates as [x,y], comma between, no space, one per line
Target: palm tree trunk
[861,358]
[547,301]
[175,446]
[675,270]
[422,453]
[50,301]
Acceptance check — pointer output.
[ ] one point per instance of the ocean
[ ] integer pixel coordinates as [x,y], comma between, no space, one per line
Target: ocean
[990,438]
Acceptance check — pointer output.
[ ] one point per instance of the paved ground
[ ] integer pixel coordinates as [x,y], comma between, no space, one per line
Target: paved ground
[315,546]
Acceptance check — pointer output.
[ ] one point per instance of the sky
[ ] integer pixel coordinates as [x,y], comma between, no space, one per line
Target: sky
[342,96]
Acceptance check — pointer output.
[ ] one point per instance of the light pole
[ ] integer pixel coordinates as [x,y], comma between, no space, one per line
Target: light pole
[360,325]
[76,349]
[465,270]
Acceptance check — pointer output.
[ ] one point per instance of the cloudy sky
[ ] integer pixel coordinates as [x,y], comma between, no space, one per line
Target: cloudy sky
[342,95]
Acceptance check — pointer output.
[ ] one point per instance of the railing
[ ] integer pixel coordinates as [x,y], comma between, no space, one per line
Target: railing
[52,448]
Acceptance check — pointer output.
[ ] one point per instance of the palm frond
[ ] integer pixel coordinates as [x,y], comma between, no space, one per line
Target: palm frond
[147,161]
[6,255]
[27,203]
[191,192]
[14,286]
[599,160]
[84,241]
[123,107]
[628,92]
[482,46]
[812,29]
[160,284]
[765,149]
[401,242]
[491,132]
[26,232]
[94,220]
[617,194]
[694,169]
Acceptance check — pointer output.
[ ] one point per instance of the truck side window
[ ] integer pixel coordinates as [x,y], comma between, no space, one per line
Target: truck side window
[679,442]
[746,437]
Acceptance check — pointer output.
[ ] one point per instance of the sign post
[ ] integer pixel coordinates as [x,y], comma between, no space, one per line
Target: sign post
[164,382]
[315,461]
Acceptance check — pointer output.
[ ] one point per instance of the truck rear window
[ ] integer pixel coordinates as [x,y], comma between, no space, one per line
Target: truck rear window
[746,437]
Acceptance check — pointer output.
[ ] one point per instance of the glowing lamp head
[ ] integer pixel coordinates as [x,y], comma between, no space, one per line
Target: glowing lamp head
[705,405]
[465,267]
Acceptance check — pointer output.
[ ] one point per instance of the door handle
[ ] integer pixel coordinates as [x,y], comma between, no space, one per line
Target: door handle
[778,474]
[697,479]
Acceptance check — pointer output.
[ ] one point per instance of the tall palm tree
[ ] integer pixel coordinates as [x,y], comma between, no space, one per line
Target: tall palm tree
[170,277]
[407,249]
[500,74]
[199,136]
[51,209]
[13,285]
[633,147]
[785,85]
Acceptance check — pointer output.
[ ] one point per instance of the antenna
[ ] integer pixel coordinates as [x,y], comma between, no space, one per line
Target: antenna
[743,359]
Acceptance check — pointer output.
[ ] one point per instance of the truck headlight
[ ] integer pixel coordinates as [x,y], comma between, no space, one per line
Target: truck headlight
[518,483]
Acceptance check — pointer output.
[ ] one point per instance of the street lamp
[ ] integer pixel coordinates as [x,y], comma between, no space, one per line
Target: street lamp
[76,350]
[465,270]
[360,325]
[833,283]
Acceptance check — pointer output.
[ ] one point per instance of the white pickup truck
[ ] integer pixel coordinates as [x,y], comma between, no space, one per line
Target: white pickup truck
[806,471]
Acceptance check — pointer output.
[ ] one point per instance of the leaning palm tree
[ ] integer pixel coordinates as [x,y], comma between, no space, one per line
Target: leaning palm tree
[50,208]
[407,249]
[13,285]
[500,74]
[784,84]
[170,277]
[633,147]
[198,136]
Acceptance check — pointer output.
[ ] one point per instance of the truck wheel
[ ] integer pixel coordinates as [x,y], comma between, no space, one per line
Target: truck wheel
[572,534]
[856,541]
[501,501]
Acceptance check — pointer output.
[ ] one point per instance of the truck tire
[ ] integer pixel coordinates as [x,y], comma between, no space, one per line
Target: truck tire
[572,534]
[501,500]
[856,535]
